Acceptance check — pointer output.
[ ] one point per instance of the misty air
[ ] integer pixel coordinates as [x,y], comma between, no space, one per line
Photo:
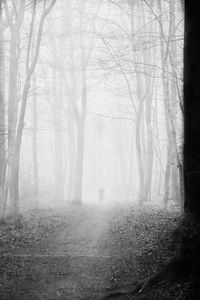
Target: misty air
[94,160]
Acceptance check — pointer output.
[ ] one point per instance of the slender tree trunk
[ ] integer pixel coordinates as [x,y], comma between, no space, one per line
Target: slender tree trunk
[181,184]
[82,116]
[72,158]
[80,140]
[2,123]
[79,164]
[73,116]
[165,83]
[159,183]
[34,141]
[169,141]
[149,155]
[14,187]
[167,178]
[143,133]
[12,122]
[130,184]
[139,153]
[173,104]
[121,140]
[14,174]
[138,117]
[58,141]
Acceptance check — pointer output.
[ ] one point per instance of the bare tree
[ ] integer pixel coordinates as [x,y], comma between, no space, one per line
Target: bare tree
[15,121]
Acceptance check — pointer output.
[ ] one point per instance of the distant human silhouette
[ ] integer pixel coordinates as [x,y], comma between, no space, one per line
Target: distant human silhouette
[101,194]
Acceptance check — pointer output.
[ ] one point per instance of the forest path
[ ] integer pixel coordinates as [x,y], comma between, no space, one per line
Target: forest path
[84,235]
[72,262]
[80,252]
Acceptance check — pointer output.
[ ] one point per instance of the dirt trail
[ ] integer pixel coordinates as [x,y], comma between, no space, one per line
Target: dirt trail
[75,264]
[80,252]
[85,235]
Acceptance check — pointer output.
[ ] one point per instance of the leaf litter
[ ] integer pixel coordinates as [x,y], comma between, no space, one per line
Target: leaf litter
[119,245]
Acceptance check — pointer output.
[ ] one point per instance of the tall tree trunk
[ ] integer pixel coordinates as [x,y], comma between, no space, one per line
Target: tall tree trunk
[149,58]
[58,139]
[79,163]
[2,124]
[72,158]
[34,141]
[121,140]
[167,177]
[149,153]
[14,25]
[14,173]
[139,116]
[139,152]
[82,116]
[192,109]
[165,83]
[58,144]
[130,182]
[73,116]
[30,67]
[12,119]
[80,139]
[159,167]
[14,186]
[176,167]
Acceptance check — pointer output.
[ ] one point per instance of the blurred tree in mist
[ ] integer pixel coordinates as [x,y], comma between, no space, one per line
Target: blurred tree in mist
[15,16]
[66,66]
[149,60]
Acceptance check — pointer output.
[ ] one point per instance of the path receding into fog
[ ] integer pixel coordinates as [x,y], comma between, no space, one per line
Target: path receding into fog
[76,253]
[74,263]
[85,235]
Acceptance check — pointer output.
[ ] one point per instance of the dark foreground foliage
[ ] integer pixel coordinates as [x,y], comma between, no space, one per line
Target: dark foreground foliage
[90,252]
[180,277]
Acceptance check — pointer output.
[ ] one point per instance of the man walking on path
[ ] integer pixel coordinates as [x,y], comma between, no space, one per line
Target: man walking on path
[101,194]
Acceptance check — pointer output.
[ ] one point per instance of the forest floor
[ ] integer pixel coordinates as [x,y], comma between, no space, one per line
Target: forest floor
[83,252]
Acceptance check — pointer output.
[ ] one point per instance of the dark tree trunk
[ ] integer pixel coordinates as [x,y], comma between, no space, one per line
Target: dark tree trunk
[192,109]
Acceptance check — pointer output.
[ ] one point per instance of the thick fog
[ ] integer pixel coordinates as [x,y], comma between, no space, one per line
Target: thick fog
[91,104]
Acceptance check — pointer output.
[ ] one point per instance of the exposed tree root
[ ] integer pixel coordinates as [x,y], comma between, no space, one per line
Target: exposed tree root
[177,270]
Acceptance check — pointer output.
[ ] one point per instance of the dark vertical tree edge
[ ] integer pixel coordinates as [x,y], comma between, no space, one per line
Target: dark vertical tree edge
[192,109]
